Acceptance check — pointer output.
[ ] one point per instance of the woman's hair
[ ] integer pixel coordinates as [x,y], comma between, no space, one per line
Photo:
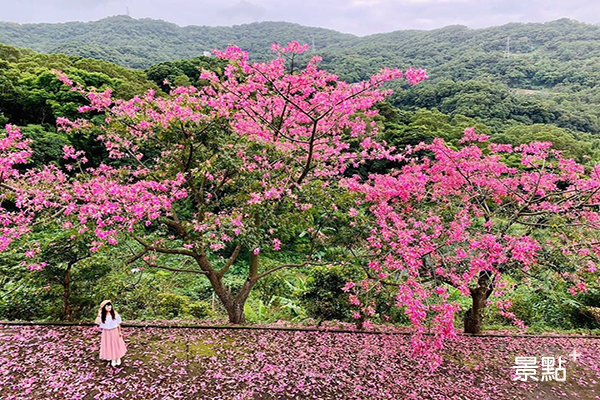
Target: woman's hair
[104,312]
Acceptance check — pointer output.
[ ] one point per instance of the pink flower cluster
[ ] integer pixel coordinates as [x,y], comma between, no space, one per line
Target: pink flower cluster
[462,218]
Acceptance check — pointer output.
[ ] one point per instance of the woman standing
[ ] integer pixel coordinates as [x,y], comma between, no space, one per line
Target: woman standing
[112,346]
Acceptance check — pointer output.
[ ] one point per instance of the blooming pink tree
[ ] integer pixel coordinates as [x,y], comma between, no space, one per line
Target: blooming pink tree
[465,217]
[208,174]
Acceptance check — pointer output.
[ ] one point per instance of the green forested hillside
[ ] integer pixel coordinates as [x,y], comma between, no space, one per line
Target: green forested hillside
[33,97]
[30,93]
[140,43]
[541,55]
[551,73]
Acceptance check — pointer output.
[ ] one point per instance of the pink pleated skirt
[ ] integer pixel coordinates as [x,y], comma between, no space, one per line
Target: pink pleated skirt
[112,346]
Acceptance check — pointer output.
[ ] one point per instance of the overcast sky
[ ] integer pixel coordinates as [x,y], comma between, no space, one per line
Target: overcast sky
[360,17]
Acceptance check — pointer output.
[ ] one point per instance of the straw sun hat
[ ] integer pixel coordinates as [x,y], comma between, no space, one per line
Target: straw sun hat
[100,310]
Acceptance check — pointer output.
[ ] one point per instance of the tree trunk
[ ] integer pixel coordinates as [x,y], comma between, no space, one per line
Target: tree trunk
[66,311]
[236,313]
[234,305]
[360,323]
[236,316]
[474,315]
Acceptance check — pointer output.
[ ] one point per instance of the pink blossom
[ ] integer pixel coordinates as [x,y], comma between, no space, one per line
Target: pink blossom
[276,244]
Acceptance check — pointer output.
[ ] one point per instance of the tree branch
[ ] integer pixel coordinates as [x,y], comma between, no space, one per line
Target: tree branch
[230,262]
[167,251]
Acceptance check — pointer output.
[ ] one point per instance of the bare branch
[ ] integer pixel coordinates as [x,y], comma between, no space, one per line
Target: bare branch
[230,262]
[310,153]
[137,256]
[163,250]
[176,225]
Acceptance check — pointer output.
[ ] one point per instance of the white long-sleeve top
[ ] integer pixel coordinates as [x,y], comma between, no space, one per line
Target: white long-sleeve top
[110,322]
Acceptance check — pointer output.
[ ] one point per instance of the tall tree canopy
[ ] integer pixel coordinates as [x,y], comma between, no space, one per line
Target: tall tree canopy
[211,172]
[466,217]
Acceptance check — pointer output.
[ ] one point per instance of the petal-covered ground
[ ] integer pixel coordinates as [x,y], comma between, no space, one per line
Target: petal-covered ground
[182,363]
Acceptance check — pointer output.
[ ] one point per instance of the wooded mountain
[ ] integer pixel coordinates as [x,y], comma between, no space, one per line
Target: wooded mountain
[550,73]
[140,43]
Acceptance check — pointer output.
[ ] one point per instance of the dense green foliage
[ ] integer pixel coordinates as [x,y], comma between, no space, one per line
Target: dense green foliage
[500,106]
[182,72]
[31,94]
[551,74]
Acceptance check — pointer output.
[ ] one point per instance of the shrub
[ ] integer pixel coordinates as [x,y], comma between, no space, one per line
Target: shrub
[172,305]
[274,285]
[549,307]
[200,309]
[324,298]
[25,303]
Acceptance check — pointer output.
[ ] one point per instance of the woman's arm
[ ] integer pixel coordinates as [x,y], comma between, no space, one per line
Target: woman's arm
[119,326]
